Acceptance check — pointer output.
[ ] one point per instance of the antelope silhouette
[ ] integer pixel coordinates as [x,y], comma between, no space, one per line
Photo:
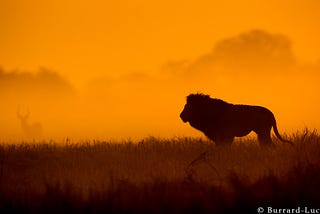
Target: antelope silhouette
[30,130]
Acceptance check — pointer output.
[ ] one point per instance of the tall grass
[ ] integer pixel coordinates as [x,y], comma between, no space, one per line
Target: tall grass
[178,175]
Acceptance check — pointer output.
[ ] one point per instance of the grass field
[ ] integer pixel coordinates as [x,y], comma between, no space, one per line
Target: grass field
[179,175]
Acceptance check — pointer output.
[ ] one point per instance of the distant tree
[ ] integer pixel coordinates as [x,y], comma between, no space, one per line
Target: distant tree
[255,48]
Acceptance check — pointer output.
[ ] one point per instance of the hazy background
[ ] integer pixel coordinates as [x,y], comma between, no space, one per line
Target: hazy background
[119,70]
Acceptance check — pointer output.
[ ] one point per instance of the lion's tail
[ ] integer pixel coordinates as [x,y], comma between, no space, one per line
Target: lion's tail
[275,129]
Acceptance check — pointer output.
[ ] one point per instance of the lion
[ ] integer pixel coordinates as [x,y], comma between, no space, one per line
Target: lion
[222,122]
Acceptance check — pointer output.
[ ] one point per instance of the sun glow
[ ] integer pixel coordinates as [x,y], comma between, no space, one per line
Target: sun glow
[122,69]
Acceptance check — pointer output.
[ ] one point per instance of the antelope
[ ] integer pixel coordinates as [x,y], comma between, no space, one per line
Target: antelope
[30,130]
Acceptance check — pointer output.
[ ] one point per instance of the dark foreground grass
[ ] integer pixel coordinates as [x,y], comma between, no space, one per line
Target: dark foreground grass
[180,175]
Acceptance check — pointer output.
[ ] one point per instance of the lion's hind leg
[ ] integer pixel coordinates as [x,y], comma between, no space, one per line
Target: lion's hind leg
[265,140]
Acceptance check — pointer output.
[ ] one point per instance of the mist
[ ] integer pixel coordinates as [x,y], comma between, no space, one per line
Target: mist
[255,67]
[42,97]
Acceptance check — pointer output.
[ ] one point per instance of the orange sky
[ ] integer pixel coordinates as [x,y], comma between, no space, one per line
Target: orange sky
[84,39]
[129,42]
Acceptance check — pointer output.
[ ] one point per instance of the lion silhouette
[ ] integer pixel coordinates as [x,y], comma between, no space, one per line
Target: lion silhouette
[221,121]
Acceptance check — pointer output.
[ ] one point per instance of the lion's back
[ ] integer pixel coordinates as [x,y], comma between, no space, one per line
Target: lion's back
[249,116]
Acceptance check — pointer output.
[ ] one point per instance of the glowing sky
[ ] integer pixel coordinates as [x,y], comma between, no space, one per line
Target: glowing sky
[84,39]
[129,44]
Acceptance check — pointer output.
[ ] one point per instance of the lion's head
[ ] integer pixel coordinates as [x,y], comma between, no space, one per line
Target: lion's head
[195,107]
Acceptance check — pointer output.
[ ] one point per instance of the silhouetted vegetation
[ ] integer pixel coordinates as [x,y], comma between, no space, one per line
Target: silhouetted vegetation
[180,175]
